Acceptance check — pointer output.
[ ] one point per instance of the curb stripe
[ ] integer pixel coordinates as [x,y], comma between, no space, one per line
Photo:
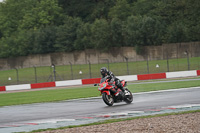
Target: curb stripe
[128,77]
[43,85]
[152,76]
[181,74]
[91,81]
[18,87]
[198,72]
[2,88]
[68,82]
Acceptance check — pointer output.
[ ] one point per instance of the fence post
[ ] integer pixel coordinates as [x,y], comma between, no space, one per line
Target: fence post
[17,75]
[54,72]
[147,65]
[35,74]
[188,62]
[71,70]
[167,62]
[127,65]
[90,69]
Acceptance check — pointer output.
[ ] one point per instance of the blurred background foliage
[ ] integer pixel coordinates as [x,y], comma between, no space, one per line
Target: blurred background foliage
[46,26]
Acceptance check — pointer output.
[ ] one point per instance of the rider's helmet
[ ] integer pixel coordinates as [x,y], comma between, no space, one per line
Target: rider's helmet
[104,71]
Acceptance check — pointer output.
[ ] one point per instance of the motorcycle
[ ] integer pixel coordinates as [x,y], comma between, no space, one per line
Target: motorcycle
[108,96]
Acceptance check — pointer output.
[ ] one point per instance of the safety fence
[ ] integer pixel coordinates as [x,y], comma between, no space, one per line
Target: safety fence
[130,66]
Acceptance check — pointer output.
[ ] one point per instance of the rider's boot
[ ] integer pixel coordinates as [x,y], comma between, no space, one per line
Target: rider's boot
[121,87]
[116,94]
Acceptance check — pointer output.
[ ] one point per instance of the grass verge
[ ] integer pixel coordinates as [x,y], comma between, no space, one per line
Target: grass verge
[17,98]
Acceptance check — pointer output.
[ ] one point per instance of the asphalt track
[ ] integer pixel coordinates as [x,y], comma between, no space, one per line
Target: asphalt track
[86,108]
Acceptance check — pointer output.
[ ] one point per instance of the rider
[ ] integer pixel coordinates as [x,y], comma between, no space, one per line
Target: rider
[104,72]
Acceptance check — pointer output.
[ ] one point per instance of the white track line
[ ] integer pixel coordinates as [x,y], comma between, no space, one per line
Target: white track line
[179,89]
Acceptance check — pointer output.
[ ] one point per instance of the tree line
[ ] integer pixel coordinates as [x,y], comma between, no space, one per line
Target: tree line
[46,26]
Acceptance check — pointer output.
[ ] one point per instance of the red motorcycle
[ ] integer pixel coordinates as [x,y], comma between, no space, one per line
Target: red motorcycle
[108,96]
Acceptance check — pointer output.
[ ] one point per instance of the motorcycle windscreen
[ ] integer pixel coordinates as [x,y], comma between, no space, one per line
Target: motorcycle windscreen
[103,79]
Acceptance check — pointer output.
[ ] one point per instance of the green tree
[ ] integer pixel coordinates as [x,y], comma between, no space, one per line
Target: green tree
[44,13]
[121,10]
[131,30]
[25,20]
[78,8]
[101,9]
[4,48]
[83,40]
[11,14]
[15,45]
[143,31]
[192,19]
[144,7]
[152,31]
[179,13]
[177,32]
[100,34]
[43,40]
[116,26]
[42,26]
[88,10]
[67,34]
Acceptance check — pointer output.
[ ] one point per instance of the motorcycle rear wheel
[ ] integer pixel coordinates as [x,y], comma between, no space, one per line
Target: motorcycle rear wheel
[108,99]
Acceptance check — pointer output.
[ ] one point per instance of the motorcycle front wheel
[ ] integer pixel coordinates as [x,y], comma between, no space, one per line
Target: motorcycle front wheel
[108,99]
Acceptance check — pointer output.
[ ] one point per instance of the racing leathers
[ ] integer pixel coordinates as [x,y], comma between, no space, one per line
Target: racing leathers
[111,76]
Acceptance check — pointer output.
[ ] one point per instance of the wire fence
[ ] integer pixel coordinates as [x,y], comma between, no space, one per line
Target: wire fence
[76,71]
